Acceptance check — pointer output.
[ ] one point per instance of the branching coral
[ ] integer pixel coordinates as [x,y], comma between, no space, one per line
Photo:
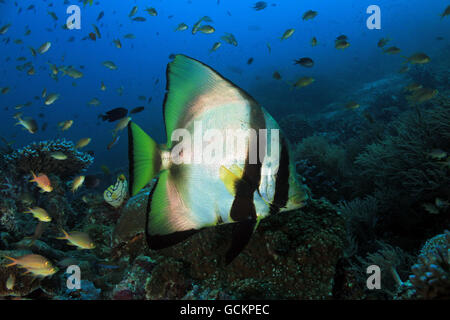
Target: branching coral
[37,157]
[431,278]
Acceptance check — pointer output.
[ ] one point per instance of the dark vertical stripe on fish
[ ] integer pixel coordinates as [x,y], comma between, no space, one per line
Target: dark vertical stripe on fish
[281,196]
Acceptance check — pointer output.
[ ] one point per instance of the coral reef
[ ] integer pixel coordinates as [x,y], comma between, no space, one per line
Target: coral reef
[291,255]
[431,273]
[37,157]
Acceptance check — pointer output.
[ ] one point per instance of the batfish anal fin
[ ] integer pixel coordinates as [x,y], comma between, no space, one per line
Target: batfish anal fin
[242,232]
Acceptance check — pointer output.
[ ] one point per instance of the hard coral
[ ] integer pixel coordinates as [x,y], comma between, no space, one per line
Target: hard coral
[37,157]
[431,278]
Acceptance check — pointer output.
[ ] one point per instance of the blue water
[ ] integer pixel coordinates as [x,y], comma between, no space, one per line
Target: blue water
[412,25]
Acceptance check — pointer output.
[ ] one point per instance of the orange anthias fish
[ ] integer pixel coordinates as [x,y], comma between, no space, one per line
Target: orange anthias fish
[30,261]
[42,182]
[78,239]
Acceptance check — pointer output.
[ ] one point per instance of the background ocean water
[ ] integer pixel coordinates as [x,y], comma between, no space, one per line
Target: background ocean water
[412,25]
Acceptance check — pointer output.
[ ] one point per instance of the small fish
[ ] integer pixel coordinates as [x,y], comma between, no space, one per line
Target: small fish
[305,62]
[313,42]
[303,82]
[117,43]
[352,105]
[31,71]
[5,90]
[341,44]
[92,36]
[418,58]
[139,19]
[342,37]
[152,11]
[250,61]
[310,14]
[42,181]
[44,48]
[82,143]
[102,86]
[5,28]
[412,87]
[382,42]
[122,124]
[421,95]
[133,11]
[73,73]
[53,15]
[287,34]
[269,48]
[276,75]
[206,29]
[437,154]
[100,15]
[446,12]
[137,110]
[260,5]
[129,36]
[114,114]
[28,123]
[77,183]
[51,98]
[65,125]
[392,50]
[97,31]
[113,142]
[39,214]
[78,239]
[181,27]
[116,194]
[215,46]
[110,65]
[58,155]
[431,208]
[33,52]
[94,102]
[30,261]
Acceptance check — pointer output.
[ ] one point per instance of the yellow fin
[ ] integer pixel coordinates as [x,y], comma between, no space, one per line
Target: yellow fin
[229,179]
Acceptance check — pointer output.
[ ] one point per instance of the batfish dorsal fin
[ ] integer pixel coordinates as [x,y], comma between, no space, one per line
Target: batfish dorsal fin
[193,88]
